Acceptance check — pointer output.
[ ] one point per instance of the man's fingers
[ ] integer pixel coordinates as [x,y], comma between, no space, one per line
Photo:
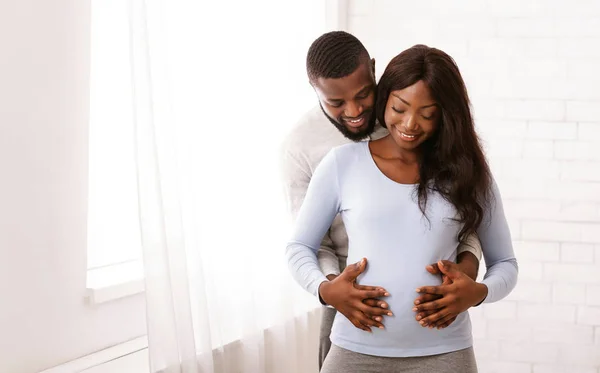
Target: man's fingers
[359,325]
[449,268]
[367,321]
[356,320]
[364,294]
[447,264]
[433,305]
[431,320]
[439,318]
[440,290]
[372,288]
[351,272]
[373,323]
[443,323]
[423,314]
[378,303]
[372,311]
[376,311]
[433,269]
[423,298]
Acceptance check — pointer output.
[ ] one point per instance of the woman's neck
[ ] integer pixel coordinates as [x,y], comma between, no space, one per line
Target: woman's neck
[393,151]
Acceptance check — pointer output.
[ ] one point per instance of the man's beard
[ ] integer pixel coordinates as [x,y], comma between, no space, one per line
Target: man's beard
[354,136]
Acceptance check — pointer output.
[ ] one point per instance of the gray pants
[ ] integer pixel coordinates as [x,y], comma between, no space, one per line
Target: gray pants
[340,360]
[327,317]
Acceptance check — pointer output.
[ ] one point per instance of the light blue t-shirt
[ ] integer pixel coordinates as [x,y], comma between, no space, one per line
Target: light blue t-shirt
[386,226]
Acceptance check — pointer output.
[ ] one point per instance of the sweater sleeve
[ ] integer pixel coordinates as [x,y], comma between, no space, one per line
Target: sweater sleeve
[472,245]
[501,264]
[320,206]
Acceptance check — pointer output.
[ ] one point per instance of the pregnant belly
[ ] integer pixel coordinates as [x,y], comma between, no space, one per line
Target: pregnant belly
[402,330]
[401,284]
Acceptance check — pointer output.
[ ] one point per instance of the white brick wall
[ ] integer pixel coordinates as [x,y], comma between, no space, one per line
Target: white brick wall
[533,72]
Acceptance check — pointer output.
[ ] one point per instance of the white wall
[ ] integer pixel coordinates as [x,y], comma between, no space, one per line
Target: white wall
[533,72]
[44,321]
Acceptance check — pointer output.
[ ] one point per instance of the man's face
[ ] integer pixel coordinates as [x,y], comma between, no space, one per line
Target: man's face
[348,102]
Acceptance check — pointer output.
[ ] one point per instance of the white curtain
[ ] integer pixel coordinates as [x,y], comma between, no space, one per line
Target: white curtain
[216,85]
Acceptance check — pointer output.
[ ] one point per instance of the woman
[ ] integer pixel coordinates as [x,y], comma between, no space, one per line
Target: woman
[402,199]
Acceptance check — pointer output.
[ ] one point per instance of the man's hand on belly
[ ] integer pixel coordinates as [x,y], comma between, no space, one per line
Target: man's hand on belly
[439,306]
[359,303]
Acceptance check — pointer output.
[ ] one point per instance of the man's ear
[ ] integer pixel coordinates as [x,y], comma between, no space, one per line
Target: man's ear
[373,66]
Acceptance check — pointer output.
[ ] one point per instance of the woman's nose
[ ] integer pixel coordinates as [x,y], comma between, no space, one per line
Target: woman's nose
[410,123]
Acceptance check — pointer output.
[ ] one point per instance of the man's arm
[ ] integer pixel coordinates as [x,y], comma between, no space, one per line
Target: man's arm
[468,256]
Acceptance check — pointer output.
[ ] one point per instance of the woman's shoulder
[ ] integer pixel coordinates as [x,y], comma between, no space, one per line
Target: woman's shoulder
[350,150]
[348,156]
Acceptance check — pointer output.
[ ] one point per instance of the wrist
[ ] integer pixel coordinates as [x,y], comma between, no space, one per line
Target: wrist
[482,293]
[323,292]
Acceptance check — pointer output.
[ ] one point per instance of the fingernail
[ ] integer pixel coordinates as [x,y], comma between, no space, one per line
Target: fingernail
[386,294]
[390,314]
[383,305]
[422,322]
[415,309]
[419,318]
[417,302]
[381,327]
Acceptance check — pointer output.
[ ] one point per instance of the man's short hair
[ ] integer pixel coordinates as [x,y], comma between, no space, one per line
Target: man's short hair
[335,55]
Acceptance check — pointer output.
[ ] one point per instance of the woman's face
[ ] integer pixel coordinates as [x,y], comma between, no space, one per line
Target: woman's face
[412,115]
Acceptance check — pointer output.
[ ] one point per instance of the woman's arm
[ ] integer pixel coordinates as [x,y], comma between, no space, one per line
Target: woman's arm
[502,269]
[462,292]
[320,206]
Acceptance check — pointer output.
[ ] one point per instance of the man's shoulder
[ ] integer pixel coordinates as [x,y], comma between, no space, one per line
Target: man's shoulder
[310,133]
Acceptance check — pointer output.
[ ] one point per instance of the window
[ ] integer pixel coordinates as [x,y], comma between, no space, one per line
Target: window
[276,55]
[114,245]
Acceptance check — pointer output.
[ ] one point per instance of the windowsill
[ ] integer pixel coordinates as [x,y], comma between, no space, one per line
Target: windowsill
[132,356]
[115,282]
[102,357]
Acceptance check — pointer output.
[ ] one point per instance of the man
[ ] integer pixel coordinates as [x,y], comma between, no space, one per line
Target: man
[342,74]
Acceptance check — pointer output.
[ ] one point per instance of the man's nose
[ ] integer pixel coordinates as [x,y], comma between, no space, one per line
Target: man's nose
[353,109]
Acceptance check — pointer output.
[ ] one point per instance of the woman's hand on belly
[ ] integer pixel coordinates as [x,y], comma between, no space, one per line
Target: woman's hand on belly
[457,294]
[358,303]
